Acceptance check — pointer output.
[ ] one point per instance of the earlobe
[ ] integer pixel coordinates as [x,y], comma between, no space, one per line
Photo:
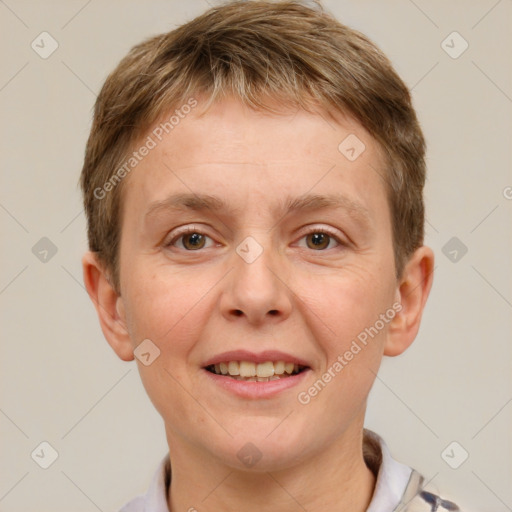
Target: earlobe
[109,306]
[412,293]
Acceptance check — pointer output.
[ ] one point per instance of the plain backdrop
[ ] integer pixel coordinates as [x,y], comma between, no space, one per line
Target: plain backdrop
[61,383]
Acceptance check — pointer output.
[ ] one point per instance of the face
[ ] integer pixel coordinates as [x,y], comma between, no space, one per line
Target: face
[258,238]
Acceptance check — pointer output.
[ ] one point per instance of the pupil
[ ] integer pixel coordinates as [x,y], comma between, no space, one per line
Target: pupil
[195,240]
[319,239]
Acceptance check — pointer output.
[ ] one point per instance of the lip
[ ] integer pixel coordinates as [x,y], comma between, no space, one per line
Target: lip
[261,357]
[256,390]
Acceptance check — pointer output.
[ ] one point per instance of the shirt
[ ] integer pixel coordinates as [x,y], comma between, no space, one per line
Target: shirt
[398,488]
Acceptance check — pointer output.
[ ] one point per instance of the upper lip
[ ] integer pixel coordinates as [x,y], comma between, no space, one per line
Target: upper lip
[260,357]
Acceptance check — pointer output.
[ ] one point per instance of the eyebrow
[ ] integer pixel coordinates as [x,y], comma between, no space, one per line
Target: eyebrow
[305,202]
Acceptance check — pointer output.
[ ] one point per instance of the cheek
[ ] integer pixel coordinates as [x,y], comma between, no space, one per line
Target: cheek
[347,304]
[168,312]
[353,348]
[351,306]
[160,306]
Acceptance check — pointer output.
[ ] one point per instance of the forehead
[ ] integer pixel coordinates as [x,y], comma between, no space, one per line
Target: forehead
[231,151]
[232,130]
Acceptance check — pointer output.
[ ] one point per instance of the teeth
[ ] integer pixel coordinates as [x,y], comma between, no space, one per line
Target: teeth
[265,369]
[247,369]
[258,379]
[233,368]
[252,372]
[279,367]
[288,367]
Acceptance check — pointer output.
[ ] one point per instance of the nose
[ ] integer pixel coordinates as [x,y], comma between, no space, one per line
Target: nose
[256,290]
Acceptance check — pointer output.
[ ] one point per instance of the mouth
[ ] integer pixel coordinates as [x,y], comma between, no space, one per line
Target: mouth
[250,371]
[255,376]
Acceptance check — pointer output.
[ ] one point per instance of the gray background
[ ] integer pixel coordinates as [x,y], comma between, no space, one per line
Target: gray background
[61,383]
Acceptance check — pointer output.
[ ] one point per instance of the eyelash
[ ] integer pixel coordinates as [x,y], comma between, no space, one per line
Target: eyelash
[191,230]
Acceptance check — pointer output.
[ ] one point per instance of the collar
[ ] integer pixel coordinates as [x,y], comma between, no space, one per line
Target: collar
[392,476]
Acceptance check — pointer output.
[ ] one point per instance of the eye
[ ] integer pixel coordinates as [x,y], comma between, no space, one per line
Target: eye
[320,239]
[189,239]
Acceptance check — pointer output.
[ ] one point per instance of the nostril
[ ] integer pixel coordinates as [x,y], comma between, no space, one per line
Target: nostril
[238,312]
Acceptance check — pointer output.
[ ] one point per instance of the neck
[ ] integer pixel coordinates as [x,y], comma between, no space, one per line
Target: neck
[336,479]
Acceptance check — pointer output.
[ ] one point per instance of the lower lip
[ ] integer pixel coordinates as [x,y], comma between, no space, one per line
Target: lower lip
[256,390]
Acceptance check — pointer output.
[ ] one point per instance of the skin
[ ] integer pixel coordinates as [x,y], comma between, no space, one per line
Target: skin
[295,297]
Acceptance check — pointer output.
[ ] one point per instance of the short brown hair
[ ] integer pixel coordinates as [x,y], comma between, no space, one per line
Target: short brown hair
[258,52]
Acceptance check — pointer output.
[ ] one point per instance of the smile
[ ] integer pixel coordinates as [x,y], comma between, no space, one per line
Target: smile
[250,371]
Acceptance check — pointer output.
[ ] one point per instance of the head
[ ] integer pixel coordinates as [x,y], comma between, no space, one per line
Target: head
[288,148]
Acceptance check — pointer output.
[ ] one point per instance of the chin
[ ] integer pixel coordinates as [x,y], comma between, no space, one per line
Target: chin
[255,452]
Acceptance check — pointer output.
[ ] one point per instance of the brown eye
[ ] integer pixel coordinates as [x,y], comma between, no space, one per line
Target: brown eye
[193,241]
[318,240]
[190,239]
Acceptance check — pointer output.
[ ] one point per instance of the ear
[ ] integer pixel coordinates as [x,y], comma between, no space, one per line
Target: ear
[109,306]
[412,293]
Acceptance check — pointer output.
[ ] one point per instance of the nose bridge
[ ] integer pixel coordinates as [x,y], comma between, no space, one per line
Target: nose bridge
[255,262]
[256,291]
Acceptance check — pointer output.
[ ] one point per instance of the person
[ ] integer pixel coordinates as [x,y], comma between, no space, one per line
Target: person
[253,187]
